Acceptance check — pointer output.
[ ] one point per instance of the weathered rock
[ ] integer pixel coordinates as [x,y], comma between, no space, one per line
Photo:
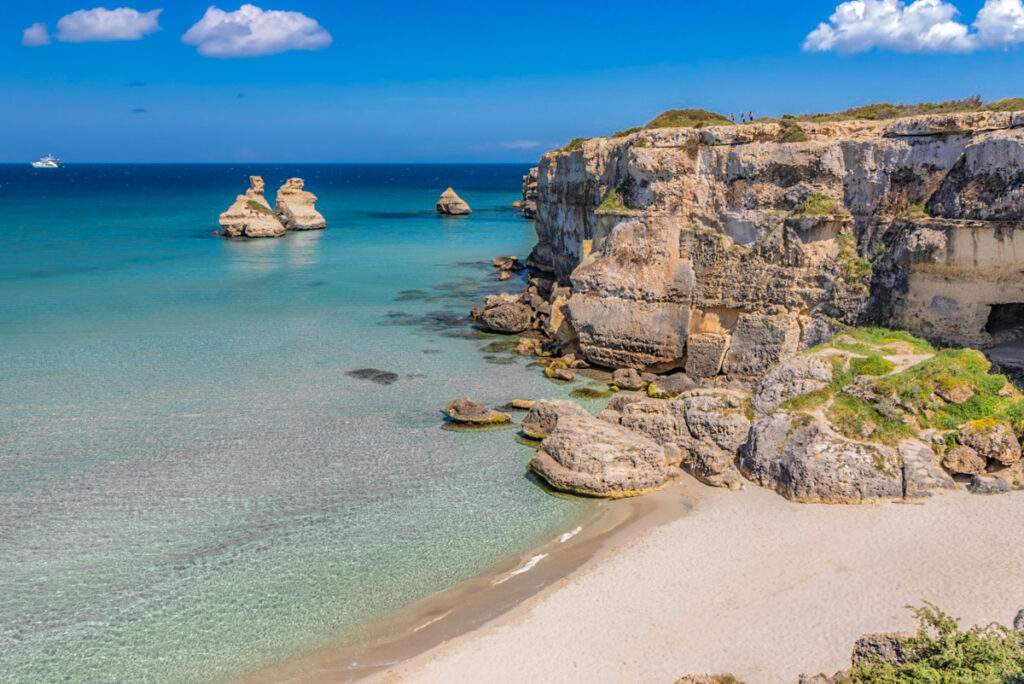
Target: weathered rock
[662,421]
[714,466]
[797,376]
[541,418]
[250,216]
[469,412]
[558,370]
[505,314]
[884,647]
[589,456]
[705,353]
[712,419]
[988,484]
[1018,621]
[529,203]
[802,459]
[296,208]
[956,395]
[508,263]
[963,460]
[922,477]
[991,439]
[627,379]
[451,204]
[759,342]
[668,386]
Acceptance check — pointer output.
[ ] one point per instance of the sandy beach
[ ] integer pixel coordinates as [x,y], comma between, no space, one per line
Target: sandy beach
[751,584]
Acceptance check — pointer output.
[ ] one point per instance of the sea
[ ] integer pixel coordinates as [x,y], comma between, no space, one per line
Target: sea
[192,485]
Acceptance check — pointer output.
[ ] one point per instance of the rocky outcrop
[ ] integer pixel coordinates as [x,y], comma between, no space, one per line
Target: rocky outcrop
[724,250]
[504,313]
[296,208]
[469,412]
[540,420]
[250,216]
[451,204]
[586,455]
[529,203]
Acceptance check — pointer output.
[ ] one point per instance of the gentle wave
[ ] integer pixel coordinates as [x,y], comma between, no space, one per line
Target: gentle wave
[527,566]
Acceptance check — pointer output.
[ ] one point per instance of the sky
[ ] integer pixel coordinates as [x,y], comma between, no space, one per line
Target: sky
[336,81]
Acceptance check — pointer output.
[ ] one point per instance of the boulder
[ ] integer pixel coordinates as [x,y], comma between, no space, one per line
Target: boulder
[804,460]
[558,370]
[627,379]
[988,484]
[991,439]
[1018,621]
[250,216]
[471,413]
[589,456]
[296,208]
[885,647]
[541,418]
[712,419]
[963,460]
[759,342]
[714,466]
[705,353]
[662,421]
[795,377]
[451,204]
[668,386]
[505,314]
[922,476]
[508,263]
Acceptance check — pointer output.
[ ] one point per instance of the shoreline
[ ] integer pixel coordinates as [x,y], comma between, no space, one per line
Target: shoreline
[750,584]
[452,613]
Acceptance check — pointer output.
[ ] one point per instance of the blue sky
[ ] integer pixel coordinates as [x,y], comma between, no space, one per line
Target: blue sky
[462,81]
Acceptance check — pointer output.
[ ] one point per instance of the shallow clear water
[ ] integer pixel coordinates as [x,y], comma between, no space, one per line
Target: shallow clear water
[190,484]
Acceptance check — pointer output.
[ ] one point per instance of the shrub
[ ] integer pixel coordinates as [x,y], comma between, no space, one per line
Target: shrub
[791,132]
[687,118]
[941,652]
[1009,104]
[858,419]
[574,144]
[871,365]
[817,204]
[613,202]
[886,110]
[628,131]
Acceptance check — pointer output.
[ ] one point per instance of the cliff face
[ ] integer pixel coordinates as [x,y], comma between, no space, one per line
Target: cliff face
[724,249]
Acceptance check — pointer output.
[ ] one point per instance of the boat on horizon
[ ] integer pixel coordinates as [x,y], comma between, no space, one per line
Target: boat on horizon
[48,162]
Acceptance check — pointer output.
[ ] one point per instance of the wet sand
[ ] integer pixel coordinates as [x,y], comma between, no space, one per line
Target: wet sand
[747,583]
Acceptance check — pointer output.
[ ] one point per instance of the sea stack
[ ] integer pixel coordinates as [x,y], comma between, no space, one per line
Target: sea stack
[296,208]
[452,205]
[250,216]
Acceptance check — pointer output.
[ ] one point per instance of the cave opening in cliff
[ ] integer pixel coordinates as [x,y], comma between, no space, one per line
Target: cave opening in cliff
[1006,322]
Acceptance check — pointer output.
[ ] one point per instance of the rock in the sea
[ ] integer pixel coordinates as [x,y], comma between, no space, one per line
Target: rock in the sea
[451,204]
[508,263]
[559,370]
[589,456]
[804,460]
[381,377]
[471,413]
[296,208]
[628,379]
[250,216]
[505,314]
[991,439]
[542,416]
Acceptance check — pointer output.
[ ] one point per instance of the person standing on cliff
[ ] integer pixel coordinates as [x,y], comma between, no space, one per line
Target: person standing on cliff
[732,116]
[751,117]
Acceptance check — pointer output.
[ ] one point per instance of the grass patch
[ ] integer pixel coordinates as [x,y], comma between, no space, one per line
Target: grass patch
[809,401]
[574,144]
[859,419]
[791,132]
[259,208]
[875,364]
[687,118]
[613,202]
[628,131]
[914,211]
[941,652]
[853,267]
[1008,104]
[887,110]
[817,204]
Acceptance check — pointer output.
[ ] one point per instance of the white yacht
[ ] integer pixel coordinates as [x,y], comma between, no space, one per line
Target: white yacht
[48,162]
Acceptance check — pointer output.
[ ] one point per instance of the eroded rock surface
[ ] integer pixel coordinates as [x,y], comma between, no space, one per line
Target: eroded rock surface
[296,207]
[451,204]
[250,216]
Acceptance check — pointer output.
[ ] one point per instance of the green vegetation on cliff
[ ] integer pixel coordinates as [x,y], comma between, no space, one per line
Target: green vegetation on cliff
[257,207]
[943,653]
[687,118]
[817,204]
[886,110]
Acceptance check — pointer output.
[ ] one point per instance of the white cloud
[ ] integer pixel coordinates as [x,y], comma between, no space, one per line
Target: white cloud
[101,24]
[35,35]
[251,31]
[922,26]
[519,144]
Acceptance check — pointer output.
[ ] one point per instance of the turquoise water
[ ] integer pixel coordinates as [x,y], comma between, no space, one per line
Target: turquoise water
[190,484]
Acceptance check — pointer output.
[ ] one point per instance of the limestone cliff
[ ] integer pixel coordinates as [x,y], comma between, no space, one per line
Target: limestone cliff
[250,216]
[726,249]
[296,207]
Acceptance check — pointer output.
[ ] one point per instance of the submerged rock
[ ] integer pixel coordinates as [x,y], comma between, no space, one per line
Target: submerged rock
[451,204]
[376,375]
[586,455]
[297,208]
[471,413]
[250,216]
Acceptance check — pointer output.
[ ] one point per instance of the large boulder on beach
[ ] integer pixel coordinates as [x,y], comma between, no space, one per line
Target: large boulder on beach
[586,455]
[795,377]
[471,413]
[451,204]
[802,458]
[250,216]
[297,208]
[540,420]
[992,439]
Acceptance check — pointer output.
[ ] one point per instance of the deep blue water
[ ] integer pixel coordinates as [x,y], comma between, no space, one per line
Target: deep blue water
[190,484]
